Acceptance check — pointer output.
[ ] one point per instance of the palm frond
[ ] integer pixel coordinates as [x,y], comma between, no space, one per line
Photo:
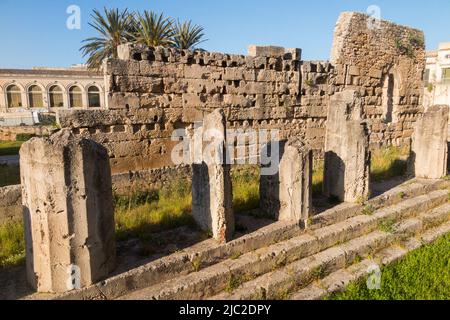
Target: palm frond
[187,35]
[114,28]
[153,30]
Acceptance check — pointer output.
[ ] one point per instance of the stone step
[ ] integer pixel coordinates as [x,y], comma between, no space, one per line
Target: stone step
[208,253]
[211,280]
[339,280]
[407,190]
[426,220]
[279,283]
[273,285]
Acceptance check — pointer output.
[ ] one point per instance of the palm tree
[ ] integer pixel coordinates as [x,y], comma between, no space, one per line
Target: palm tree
[114,29]
[187,35]
[153,30]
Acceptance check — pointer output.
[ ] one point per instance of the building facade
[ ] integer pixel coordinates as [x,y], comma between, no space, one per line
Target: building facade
[24,94]
[437,76]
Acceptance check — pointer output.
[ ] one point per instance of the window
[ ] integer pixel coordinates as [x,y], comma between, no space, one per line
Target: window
[14,96]
[55,95]
[35,97]
[75,97]
[94,97]
[446,75]
[388,98]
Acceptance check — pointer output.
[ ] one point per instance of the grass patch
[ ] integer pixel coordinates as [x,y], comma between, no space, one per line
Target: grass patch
[9,175]
[388,162]
[233,283]
[144,213]
[423,274]
[317,177]
[368,210]
[387,226]
[9,148]
[12,244]
[245,189]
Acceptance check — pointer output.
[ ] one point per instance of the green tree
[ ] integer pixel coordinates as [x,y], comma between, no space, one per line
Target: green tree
[187,35]
[114,28]
[153,30]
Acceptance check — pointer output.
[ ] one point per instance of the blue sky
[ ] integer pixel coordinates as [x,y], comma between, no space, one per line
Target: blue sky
[34,33]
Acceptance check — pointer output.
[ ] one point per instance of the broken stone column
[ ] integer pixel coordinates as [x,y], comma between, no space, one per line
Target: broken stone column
[68,212]
[347,155]
[287,195]
[429,144]
[212,194]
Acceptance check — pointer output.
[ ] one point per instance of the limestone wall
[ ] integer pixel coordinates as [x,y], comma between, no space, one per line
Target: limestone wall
[385,62]
[153,91]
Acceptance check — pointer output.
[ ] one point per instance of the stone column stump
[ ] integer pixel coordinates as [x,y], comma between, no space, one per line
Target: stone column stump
[347,155]
[287,195]
[212,194]
[68,212]
[429,144]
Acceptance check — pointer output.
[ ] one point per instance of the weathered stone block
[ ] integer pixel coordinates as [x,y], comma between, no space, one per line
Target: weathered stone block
[287,195]
[273,51]
[347,155]
[68,212]
[429,144]
[10,203]
[212,194]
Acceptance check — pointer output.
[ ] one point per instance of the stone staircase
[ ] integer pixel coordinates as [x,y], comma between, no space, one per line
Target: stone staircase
[281,261]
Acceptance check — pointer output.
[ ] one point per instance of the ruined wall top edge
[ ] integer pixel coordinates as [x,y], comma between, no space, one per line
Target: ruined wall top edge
[383,39]
[131,51]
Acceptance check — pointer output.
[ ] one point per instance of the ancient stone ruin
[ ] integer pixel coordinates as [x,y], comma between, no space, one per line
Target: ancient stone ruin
[429,144]
[347,155]
[366,96]
[212,194]
[287,195]
[68,212]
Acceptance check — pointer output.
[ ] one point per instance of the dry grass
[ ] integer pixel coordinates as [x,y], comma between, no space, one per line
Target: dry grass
[388,162]
[8,148]
[317,178]
[144,213]
[12,244]
[245,189]
[9,175]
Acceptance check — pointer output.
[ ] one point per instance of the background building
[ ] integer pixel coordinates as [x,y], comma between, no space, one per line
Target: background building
[437,76]
[25,94]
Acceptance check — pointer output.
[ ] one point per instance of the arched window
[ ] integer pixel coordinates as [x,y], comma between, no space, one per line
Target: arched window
[55,95]
[94,97]
[35,97]
[75,97]
[14,96]
[388,98]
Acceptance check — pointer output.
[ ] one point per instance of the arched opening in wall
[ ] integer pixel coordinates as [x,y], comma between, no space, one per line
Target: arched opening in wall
[75,97]
[35,97]
[56,98]
[13,96]
[94,97]
[388,100]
